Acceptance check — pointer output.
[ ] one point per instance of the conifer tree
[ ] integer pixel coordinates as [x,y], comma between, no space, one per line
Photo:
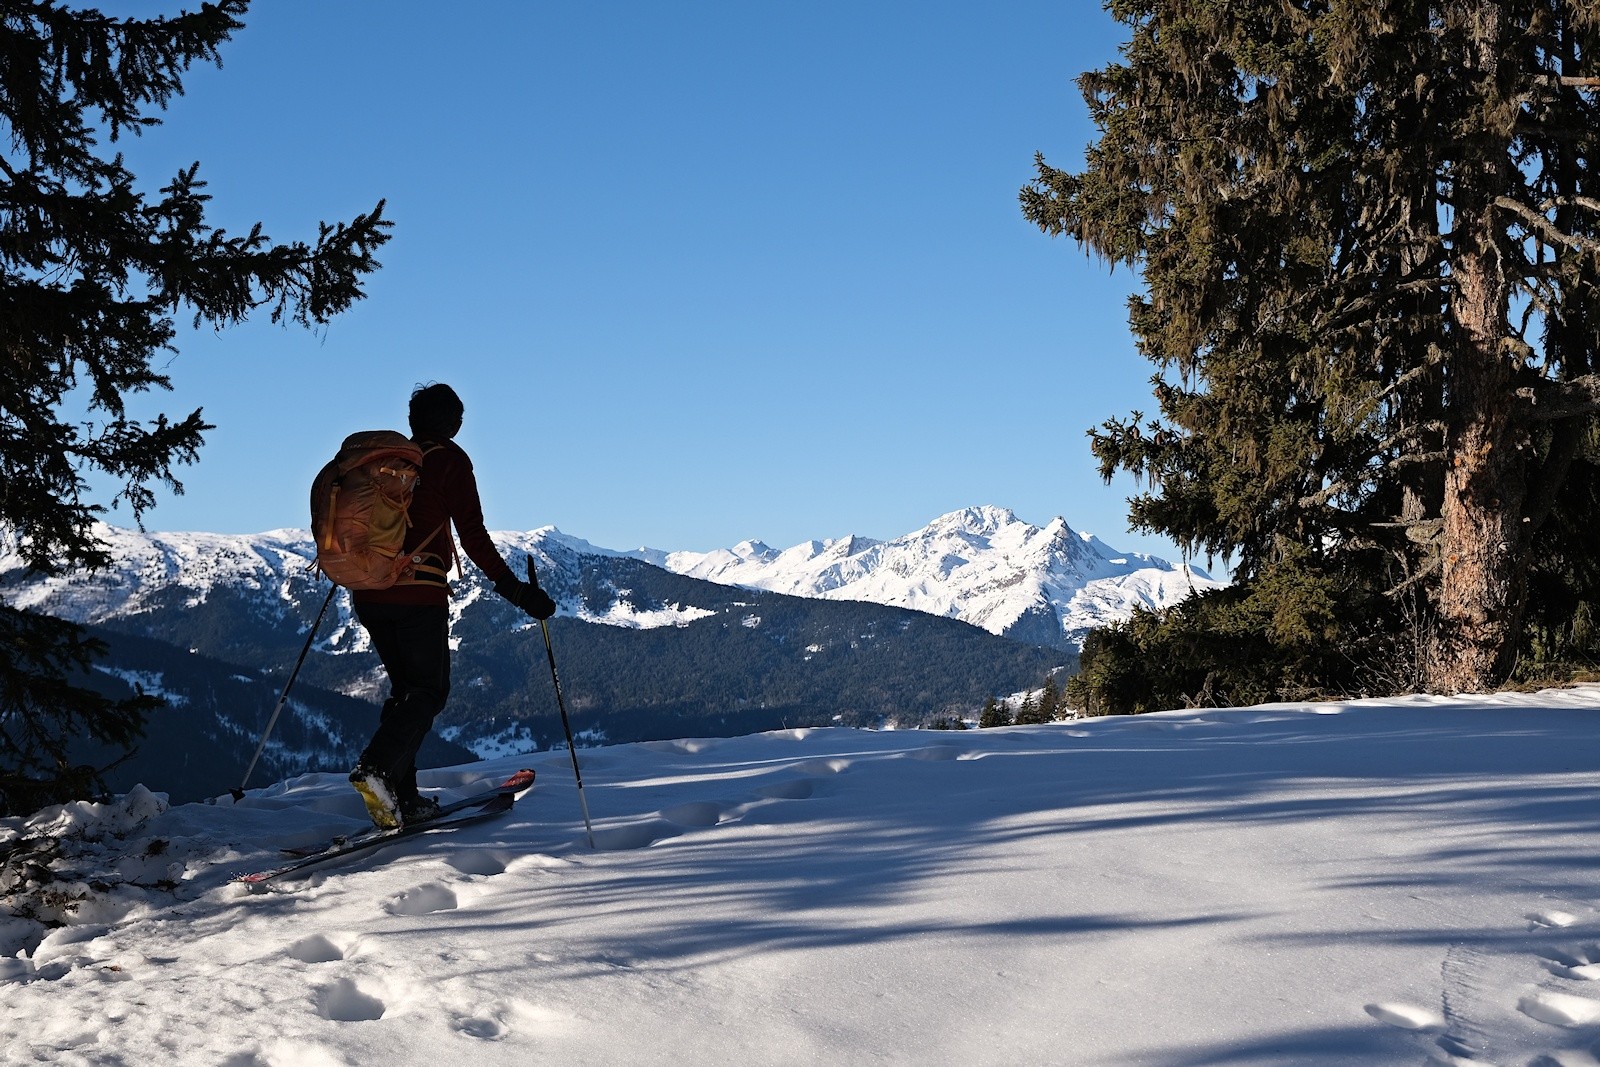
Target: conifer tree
[1029,712]
[995,713]
[93,270]
[1369,237]
[1049,700]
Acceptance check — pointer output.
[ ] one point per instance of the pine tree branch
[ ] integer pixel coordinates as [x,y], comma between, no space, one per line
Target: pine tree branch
[1357,313]
[1428,570]
[1545,486]
[1567,400]
[1547,230]
[1320,499]
[1411,377]
[115,66]
[1420,531]
[1567,81]
[1553,401]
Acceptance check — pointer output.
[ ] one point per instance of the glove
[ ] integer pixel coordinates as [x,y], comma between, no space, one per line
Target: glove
[527,596]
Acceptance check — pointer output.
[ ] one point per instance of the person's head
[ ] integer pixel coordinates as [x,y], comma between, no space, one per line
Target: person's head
[435,411]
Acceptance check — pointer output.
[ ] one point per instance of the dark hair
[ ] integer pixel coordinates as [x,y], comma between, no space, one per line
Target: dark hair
[435,409]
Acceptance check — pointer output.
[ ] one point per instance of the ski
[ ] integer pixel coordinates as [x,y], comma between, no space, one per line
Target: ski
[479,806]
[515,784]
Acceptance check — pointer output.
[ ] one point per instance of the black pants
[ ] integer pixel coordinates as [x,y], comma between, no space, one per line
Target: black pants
[413,641]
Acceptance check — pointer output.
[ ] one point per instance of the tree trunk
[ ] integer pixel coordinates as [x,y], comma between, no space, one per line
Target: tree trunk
[1482,579]
[1482,584]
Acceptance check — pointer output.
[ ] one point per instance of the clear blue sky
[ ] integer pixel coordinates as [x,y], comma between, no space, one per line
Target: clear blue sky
[700,271]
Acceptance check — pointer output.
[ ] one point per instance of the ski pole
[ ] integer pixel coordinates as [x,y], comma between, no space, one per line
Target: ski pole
[238,794]
[566,724]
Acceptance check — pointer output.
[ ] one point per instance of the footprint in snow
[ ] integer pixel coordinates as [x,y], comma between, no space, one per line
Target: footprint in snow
[1459,1051]
[698,813]
[1405,1016]
[1582,965]
[535,861]
[674,821]
[1569,1058]
[316,949]
[1559,1009]
[480,861]
[793,789]
[422,900]
[1260,718]
[1552,918]
[938,753]
[345,1002]
[560,761]
[636,835]
[485,1029]
[823,767]
[689,746]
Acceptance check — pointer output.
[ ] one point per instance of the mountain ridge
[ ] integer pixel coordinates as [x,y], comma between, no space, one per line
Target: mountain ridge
[213,622]
[983,565]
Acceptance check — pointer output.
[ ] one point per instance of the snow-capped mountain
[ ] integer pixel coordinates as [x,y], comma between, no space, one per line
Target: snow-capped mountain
[654,644]
[275,571]
[214,622]
[983,565]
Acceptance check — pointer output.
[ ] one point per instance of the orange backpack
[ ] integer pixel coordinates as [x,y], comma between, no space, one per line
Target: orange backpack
[359,509]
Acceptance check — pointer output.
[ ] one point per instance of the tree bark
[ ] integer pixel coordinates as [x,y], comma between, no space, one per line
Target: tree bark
[1482,576]
[1483,573]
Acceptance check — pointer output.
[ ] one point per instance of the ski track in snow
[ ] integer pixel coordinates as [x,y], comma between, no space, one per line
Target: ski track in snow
[507,940]
[353,978]
[1553,1022]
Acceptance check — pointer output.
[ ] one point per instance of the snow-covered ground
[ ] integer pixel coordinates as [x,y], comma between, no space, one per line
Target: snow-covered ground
[1377,882]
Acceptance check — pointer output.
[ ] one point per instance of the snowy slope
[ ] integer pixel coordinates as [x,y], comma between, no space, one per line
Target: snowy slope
[1407,881]
[983,565]
[146,565]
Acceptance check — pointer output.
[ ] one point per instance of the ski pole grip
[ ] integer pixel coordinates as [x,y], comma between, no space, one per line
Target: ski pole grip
[533,579]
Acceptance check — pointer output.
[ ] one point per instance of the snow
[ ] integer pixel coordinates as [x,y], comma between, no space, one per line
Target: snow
[1373,882]
[623,614]
[982,565]
[150,683]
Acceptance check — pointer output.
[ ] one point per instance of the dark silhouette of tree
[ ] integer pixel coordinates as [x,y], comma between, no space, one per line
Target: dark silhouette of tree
[93,272]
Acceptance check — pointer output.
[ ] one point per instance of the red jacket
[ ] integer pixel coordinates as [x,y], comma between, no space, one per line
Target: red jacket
[446,493]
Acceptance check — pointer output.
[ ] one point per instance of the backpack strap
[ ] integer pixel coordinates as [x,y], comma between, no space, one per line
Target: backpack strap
[416,570]
[453,561]
[419,570]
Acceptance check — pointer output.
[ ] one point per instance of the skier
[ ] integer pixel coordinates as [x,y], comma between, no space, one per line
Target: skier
[409,622]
